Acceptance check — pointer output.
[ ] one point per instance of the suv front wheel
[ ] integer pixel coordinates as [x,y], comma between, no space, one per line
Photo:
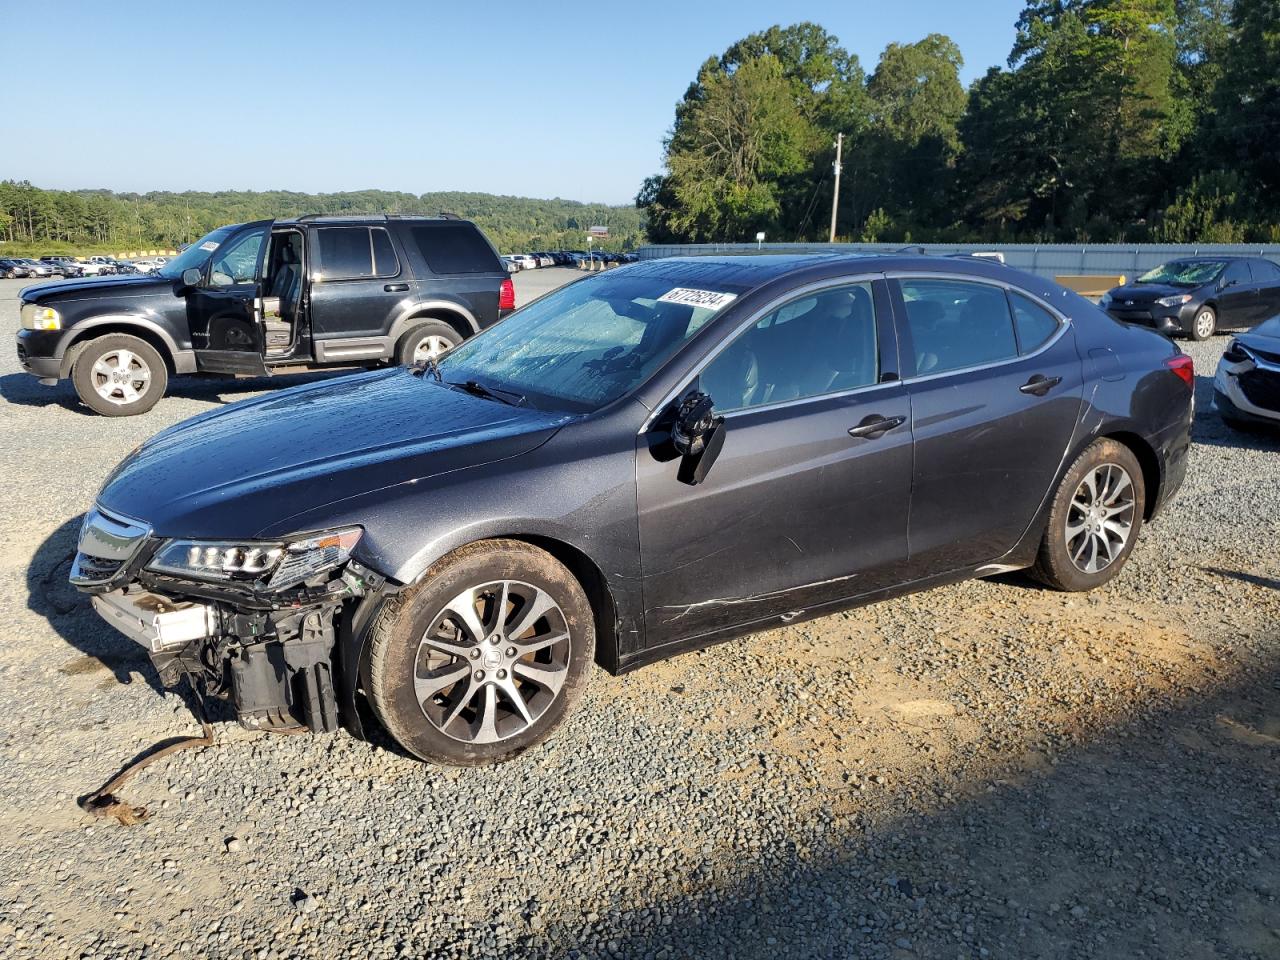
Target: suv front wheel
[119,375]
[484,658]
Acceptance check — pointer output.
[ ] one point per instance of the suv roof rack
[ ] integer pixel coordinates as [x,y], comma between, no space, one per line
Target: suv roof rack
[443,215]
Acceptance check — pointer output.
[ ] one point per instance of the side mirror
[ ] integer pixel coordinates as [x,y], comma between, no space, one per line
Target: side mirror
[698,436]
[191,277]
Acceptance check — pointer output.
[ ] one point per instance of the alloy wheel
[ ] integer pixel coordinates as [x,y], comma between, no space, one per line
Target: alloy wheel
[1100,519]
[492,662]
[120,376]
[430,347]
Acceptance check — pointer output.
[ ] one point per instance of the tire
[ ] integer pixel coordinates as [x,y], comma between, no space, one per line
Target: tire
[94,375]
[1075,561]
[423,658]
[431,337]
[1205,324]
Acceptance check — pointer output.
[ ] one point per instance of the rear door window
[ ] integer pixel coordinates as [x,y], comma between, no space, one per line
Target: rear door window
[1266,271]
[346,253]
[956,324]
[451,247]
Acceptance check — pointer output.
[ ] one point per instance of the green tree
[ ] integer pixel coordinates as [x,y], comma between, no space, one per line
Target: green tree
[737,139]
[903,163]
[1247,100]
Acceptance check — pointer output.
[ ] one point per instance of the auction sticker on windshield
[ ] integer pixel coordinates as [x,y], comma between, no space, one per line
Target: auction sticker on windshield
[709,299]
[209,245]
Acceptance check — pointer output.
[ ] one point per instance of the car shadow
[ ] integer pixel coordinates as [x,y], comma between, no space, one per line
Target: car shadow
[22,389]
[1150,837]
[1269,583]
[69,614]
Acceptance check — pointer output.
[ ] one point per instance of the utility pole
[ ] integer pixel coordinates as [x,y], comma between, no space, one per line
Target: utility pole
[835,198]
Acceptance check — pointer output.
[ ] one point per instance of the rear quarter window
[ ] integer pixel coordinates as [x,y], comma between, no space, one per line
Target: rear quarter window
[452,247]
[1033,322]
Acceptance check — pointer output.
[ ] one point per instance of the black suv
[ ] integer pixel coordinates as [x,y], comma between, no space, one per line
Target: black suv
[257,298]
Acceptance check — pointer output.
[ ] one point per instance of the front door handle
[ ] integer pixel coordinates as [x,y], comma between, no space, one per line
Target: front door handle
[1039,385]
[875,426]
[395,287]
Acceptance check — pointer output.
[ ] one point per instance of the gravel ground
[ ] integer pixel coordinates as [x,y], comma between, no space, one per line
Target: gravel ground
[987,770]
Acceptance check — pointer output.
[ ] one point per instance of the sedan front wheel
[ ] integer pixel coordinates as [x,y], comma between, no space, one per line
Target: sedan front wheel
[484,658]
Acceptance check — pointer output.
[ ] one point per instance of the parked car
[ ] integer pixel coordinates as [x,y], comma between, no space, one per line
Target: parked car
[106,265]
[1246,387]
[64,267]
[125,266]
[1197,296]
[264,297]
[526,262]
[11,269]
[599,479]
[146,265]
[37,268]
[513,265]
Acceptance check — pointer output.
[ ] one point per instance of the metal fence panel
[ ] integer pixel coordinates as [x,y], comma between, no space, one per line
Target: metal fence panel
[1047,260]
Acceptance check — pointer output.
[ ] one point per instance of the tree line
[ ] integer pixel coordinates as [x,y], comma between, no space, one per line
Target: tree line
[33,220]
[1113,121]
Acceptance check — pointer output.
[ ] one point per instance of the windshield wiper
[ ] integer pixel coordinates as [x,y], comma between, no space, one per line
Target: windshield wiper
[476,388]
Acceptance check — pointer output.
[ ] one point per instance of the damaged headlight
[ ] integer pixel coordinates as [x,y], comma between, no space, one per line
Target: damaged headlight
[279,564]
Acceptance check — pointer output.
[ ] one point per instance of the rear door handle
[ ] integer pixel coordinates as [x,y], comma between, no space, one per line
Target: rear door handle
[1039,385]
[396,287]
[875,426]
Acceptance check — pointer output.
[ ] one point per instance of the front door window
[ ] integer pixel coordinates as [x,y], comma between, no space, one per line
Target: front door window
[237,261]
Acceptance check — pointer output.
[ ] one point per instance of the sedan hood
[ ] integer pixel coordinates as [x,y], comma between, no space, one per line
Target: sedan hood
[237,471]
[1144,293]
[127,286]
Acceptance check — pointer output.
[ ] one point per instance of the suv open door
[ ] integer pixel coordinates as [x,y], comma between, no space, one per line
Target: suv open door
[224,311]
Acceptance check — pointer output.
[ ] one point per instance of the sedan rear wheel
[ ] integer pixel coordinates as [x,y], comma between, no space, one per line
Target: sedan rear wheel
[1094,521]
[485,657]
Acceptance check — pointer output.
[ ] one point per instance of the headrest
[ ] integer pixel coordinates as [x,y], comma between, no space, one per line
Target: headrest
[925,313]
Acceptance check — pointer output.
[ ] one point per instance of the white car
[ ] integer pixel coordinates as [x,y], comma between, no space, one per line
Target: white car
[512,264]
[526,262]
[147,265]
[1246,386]
[546,260]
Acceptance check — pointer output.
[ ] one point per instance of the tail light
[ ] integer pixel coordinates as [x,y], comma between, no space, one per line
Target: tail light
[1184,367]
[507,295]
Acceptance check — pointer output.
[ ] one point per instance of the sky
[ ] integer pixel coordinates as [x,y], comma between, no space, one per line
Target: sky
[529,98]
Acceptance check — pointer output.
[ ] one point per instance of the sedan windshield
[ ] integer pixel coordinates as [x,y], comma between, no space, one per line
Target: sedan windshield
[586,344]
[195,255]
[1184,273]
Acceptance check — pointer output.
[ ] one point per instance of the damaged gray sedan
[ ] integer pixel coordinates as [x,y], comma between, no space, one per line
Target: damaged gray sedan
[643,462]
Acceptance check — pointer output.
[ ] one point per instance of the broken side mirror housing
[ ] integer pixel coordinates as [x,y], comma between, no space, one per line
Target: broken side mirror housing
[698,436]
